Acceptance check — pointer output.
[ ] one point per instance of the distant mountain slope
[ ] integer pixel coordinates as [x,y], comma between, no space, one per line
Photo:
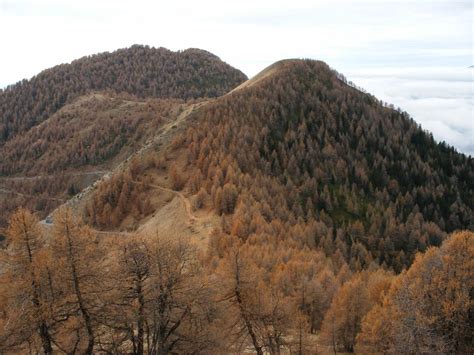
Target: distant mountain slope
[87,132]
[139,70]
[68,125]
[84,140]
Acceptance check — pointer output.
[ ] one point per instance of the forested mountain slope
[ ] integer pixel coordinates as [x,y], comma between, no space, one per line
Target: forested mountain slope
[329,165]
[139,70]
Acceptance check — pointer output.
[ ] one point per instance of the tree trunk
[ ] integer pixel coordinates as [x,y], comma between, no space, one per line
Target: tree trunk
[80,300]
[141,319]
[247,322]
[45,339]
[42,326]
[243,313]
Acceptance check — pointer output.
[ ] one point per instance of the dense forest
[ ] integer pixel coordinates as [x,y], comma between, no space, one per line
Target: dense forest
[139,70]
[68,290]
[302,149]
[75,146]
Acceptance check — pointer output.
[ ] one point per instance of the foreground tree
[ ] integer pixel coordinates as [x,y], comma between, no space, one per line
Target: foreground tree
[79,285]
[258,313]
[176,297]
[239,293]
[159,301]
[358,295]
[124,314]
[23,286]
[429,308]
[342,321]
[134,265]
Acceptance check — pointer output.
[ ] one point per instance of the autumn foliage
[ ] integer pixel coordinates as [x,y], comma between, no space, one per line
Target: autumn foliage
[69,290]
[92,114]
[338,230]
[119,198]
[428,308]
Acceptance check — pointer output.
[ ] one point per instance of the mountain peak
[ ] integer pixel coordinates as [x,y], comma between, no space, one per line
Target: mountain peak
[271,70]
[289,67]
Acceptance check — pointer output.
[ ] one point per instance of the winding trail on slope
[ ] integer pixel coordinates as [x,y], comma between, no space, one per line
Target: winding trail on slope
[184,200]
[104,174]
[161,137]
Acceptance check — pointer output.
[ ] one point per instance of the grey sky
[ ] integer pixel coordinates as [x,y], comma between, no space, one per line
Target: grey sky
[413,53]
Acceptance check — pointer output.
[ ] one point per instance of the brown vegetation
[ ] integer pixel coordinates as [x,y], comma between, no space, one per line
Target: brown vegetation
[66,291]
[117,199]
[57,122]
[89,132]
[428,308]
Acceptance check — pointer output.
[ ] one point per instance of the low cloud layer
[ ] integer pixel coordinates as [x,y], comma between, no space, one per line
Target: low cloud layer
[440,99]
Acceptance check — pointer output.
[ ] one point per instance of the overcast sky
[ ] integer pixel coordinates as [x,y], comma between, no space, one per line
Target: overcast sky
[412,53]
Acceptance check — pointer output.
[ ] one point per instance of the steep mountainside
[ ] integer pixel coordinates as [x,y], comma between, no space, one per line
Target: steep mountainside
[304,148]
[139,70]
[301,155]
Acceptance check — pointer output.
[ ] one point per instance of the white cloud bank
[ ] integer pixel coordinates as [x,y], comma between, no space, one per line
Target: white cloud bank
[440,99]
